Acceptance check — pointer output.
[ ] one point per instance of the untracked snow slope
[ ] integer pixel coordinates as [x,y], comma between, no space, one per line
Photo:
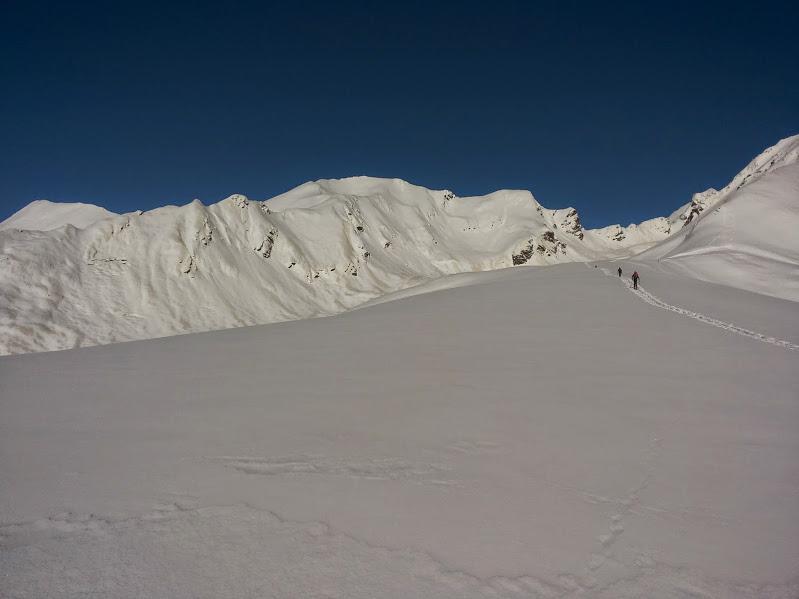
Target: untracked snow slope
[43,215]
[317,250]
[747,238]
[542,434]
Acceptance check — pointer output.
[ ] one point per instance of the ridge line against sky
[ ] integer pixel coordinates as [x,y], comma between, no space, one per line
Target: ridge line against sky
[620,110]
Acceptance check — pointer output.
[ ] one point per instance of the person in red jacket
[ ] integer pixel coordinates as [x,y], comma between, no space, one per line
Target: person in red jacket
[635,280]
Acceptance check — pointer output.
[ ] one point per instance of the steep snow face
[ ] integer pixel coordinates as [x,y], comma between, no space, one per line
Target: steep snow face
[42,215]
[648,233]
[745,234]
[783,153]
[317,250]
[747,240]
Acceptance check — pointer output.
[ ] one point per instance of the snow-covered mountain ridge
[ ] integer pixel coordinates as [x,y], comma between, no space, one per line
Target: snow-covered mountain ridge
[745,234]
[319,249]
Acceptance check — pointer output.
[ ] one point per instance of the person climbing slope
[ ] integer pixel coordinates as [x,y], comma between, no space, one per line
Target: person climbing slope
[635,280]
[619,271]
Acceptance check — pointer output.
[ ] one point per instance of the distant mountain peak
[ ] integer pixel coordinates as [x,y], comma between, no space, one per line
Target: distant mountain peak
[44,215]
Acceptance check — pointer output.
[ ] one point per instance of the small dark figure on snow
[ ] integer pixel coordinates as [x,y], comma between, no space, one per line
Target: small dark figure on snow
[619,271]
[635,280]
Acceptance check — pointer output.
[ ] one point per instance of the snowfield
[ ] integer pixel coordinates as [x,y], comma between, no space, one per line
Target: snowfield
[543,433]
[462,425]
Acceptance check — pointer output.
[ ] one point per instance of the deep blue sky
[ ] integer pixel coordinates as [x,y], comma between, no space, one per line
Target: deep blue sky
[619,109]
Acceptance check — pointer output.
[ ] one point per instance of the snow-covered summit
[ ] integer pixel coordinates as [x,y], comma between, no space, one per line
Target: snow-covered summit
[43,215]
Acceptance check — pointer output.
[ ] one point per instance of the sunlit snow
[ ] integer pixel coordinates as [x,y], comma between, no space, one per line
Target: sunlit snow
[471,430]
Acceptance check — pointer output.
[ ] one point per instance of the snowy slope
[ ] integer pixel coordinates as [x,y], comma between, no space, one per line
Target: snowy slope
[545,434]
[783,153]
[43,215]
[642,236]
[317,250]
[745,235]
[330,245]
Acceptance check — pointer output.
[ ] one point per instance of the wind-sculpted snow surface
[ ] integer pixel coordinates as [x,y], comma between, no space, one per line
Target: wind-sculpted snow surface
[317,250]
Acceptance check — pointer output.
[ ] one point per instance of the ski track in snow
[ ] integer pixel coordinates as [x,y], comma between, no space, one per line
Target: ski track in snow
[659,303]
